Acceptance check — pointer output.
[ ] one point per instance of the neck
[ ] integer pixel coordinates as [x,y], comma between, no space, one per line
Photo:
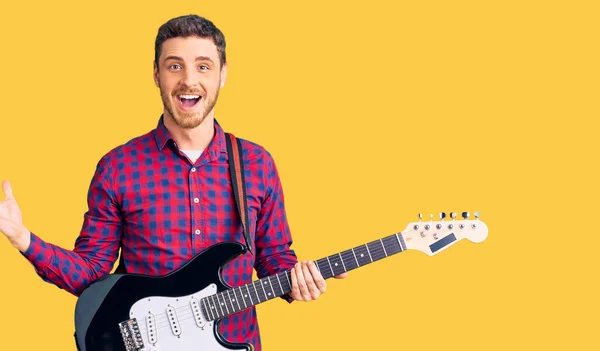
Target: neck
[196,138]
[279,284]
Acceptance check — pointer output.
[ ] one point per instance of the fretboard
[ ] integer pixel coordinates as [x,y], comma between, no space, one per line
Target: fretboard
[236,299]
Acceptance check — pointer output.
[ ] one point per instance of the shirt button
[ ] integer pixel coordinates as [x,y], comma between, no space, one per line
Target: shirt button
[193,169]
[196,200]
[197,231]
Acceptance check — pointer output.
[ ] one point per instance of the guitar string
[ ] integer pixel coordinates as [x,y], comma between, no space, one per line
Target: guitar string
[162,316]
[182,309]
[187,314]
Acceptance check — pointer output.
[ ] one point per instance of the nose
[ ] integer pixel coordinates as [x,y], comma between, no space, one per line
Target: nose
[189,78]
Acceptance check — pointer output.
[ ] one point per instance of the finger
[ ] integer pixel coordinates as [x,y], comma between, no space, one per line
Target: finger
[7,190]
[7,227]
[3,227]
[310,282]
[341,276]
[302,283]
[317,278]
[295,294]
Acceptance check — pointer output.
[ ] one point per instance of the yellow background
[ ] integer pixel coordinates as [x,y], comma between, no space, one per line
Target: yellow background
[374,111]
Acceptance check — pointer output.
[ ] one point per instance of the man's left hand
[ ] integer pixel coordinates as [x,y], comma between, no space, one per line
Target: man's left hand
[307,283]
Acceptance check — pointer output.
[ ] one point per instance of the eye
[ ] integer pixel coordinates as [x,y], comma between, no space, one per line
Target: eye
[203,67]
[175,66]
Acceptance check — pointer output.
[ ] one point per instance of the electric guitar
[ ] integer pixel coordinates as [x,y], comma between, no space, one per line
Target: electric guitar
[180,311]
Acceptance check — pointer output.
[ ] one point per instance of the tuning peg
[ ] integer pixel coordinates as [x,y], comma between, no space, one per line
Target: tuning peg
[465,215]
[442,215]
[431,217]
[453,215]
[420,216]
[477,215]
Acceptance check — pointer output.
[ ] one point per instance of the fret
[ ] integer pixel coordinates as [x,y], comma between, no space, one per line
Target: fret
[375,250]
[383,246]
[237,300]
[225,302]
[341,259]
[230,302]
[369,252]
[331,268]
[399,242]
[288,279]
[265,283]
[241,296]
[402,242]
[391,245]
[220,304]
[211,307]
[258,297]
[275,293]
[362,255]
[208,313]
[263,288]
[354,254]
[214,307]
[250,295]
[349,260]
[337,266]
[279,281]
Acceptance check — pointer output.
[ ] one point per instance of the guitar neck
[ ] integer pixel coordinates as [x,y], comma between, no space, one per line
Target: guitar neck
[359,256]
[239,298]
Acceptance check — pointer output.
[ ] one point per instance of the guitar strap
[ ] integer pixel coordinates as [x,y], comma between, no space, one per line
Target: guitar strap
[236,170]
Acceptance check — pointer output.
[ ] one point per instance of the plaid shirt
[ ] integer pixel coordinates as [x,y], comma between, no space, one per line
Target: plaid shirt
[147,198]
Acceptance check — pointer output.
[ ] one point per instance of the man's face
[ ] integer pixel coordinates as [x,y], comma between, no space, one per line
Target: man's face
[189,79]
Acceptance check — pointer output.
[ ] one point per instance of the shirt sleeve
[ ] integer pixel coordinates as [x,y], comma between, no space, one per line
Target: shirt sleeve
[96,248]
[273,238]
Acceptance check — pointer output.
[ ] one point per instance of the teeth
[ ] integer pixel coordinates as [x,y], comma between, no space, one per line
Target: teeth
[189,96]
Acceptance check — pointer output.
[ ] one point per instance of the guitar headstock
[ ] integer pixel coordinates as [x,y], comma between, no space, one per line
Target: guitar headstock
[432,237]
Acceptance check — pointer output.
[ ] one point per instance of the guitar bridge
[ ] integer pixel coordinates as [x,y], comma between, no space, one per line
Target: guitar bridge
[130,332]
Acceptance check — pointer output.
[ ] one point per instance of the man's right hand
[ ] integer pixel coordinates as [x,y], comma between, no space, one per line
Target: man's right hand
[11,220]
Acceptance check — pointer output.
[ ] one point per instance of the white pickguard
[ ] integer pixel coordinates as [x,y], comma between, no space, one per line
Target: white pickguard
[172,323]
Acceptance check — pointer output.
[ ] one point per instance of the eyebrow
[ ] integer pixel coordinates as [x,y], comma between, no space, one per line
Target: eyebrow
[199,58]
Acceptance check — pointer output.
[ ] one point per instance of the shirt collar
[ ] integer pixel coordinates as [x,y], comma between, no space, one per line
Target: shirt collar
[217,145]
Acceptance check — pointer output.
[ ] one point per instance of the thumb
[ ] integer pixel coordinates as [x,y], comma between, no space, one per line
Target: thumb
[7,190]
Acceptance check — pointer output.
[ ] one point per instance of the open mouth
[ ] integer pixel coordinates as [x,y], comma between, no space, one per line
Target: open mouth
[188,101]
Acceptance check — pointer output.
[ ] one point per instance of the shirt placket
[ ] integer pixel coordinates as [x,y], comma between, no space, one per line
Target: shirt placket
[196,209]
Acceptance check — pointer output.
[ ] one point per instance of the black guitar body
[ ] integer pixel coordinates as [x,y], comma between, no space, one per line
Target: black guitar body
[107,302]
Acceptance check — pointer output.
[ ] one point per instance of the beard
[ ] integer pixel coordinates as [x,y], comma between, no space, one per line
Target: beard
[188,120]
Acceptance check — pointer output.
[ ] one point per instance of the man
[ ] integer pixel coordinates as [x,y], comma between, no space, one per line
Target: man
[165,196]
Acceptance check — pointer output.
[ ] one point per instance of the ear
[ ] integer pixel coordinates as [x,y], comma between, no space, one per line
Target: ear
[155,73]
[223,74]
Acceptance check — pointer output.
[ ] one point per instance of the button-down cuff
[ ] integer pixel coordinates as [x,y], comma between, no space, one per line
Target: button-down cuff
[34,252]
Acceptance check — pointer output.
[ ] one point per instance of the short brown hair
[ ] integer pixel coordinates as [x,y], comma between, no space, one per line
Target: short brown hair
[189,26]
